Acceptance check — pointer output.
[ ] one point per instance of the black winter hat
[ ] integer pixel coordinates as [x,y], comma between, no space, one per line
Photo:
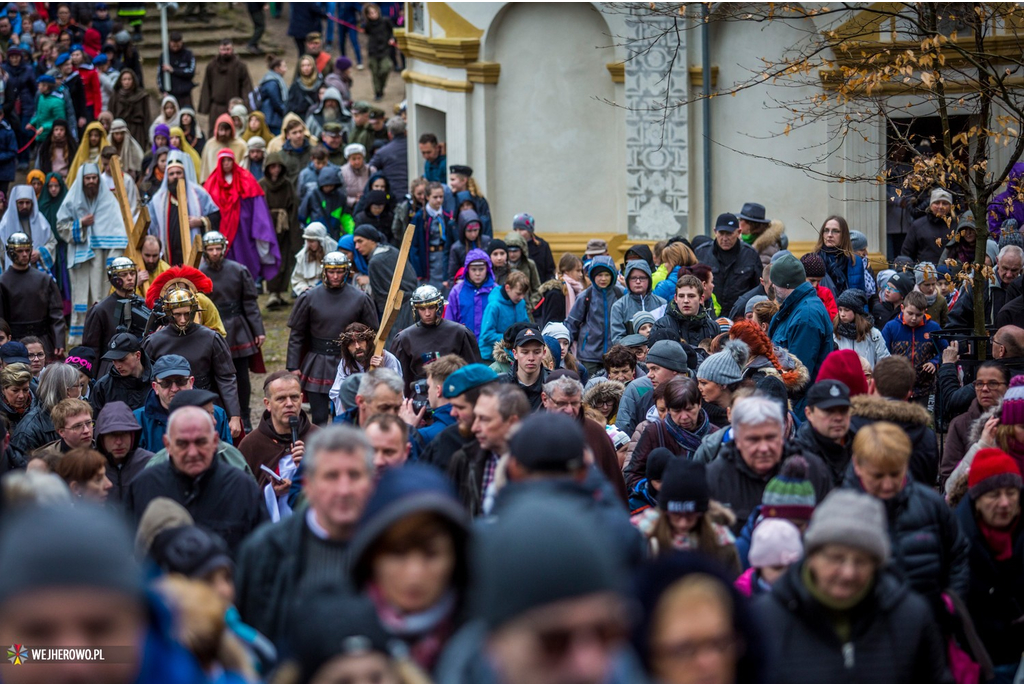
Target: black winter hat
[657,461]
[496,245]
[684,488]
[542,550]
[550,442]
[854,299]
[335,623]
[191,551]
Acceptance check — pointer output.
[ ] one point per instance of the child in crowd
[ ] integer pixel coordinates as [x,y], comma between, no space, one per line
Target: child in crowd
[928,285]
[814,266]
[896,288]
[505,306]
[775,546]
[589,321]
[911,335]
[854,330]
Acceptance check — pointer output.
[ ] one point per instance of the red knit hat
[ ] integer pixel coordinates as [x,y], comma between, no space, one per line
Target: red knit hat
[991,469]
[844,366]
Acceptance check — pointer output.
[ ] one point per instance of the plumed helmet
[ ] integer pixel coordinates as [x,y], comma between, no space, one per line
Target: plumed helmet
[335,261]
[178,296]
[214,238]
[119,266]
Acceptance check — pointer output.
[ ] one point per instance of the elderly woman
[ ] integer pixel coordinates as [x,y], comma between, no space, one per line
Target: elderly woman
[59,382]
[745,465]
[931,550]
[17,400]
[842,614]
[990,518]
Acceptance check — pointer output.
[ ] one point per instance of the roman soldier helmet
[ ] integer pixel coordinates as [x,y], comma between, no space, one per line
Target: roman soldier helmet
[117,268]
[178,296]
[427,296]
[214,238]
[17,240]
[335,261]
[178,287]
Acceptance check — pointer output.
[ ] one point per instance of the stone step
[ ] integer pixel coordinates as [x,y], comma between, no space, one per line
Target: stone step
[151,28]
[207,48]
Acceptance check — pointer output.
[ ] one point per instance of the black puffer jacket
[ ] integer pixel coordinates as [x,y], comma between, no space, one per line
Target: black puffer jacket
[835,456]
[688,329]
[735,484]
[113,387]
[914,420]
[894,637]
[34,431]
[731,281]
[995,596]
[929,551]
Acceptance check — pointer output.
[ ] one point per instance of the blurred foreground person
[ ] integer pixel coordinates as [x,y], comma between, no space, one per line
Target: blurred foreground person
[71,580]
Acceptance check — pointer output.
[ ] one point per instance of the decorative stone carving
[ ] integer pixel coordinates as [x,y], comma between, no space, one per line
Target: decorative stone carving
[656,146]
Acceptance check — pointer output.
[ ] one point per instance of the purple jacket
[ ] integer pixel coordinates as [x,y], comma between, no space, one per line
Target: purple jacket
[1005,205]
[465,303]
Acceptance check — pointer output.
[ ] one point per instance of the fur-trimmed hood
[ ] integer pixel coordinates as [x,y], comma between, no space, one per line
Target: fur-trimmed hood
[881,409]
[553,284]
[602,391]
[501,355]
[974,435]
[772,236]
[789,362]
[720,514]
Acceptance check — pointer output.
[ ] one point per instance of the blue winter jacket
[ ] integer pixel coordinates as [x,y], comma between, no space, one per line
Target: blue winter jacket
[590,320]
[499,314]
[275,102]
[466,303]
[419,250]
[802,326]
[153,419]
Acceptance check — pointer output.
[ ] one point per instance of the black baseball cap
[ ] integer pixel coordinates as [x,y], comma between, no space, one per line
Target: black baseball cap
[727,222]
[548,441]
[528,334]
[828,394]
[120,346]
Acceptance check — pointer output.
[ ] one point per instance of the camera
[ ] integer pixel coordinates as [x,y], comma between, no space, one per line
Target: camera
[420,395]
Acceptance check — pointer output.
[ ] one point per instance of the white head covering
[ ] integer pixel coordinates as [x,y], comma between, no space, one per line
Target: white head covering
[11,224]
[257,143]
[199,201]
[355,148]
[107,231]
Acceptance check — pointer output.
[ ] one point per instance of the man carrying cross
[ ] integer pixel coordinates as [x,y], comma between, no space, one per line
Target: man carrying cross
[203,213]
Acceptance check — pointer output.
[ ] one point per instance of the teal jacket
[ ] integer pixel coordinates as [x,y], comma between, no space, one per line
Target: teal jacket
[49,108]
[499,314]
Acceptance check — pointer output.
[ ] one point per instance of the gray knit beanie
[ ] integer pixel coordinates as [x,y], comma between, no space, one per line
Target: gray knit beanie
[668,353]
[925,271]
[850,518]
[725,367]
[858,241]
[788,273]
[749,307]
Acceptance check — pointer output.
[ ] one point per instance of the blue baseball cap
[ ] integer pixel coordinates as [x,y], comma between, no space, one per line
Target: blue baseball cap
[14,353]
[468,377]
[170,365]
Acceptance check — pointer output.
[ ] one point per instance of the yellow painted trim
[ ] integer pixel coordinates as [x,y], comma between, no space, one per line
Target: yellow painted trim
[617,70]
[832,80]
[483,72]
[448,52]
[697,76]
[453,23]
[436,82]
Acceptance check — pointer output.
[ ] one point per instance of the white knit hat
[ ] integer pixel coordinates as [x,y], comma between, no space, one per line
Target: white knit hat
[775,542]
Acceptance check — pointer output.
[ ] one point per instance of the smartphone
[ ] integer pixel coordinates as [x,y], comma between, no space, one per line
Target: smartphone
[270,472]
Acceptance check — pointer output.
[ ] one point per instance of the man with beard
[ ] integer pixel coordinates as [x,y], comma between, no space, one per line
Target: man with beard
[254,158]
[130,189]
[206,351]
[224,133]
[333,139]
[271,443]
[226,77]
[102,320]
[431,337]
[317,320]
[29,299]
[331,110]
[234,293]
[152,263]
[89,220]
[382,262]
[203,213]
[28,220]
[357,357]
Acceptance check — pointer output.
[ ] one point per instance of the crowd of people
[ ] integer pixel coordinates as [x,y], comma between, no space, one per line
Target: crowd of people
[709,460]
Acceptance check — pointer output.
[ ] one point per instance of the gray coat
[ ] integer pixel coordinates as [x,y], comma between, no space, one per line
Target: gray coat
[629,304]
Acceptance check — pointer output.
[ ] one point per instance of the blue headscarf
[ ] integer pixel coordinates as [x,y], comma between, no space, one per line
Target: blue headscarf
[347,242]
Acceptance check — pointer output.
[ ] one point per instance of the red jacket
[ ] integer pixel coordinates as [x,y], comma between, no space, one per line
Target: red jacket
[828,299]
[91,84]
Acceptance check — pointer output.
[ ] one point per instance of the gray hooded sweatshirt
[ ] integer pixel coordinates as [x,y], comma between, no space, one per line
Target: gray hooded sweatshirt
[630,303]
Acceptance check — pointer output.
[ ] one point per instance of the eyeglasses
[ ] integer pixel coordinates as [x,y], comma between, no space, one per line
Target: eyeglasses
[987,385]
[691,649]
[37,355]
[176,381]
[79,427]
[557,642]
[638,279]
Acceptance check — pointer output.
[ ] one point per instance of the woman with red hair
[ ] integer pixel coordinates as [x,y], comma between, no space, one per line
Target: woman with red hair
[766,359]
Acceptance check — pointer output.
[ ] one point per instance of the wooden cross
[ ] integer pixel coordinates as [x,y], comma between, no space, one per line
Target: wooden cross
[395,294]
[186,230]
[135,230]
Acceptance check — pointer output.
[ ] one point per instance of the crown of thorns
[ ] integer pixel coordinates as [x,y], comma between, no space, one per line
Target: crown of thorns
[349,338]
